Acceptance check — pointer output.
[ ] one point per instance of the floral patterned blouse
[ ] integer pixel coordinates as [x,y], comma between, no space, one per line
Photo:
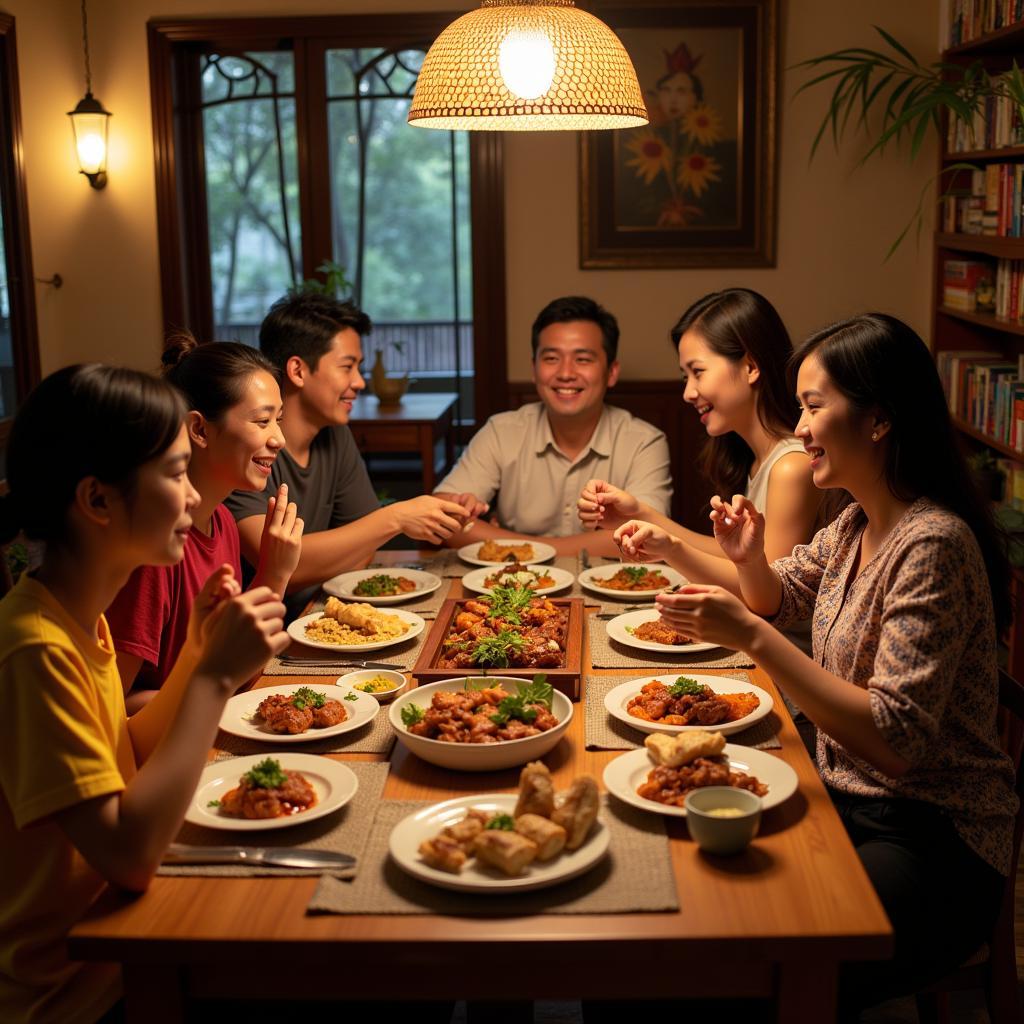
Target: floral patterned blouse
[916,630]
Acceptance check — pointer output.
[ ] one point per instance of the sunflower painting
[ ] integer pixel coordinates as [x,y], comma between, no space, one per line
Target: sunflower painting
[695,186]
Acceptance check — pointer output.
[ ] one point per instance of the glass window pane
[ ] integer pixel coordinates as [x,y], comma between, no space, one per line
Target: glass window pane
[252,194]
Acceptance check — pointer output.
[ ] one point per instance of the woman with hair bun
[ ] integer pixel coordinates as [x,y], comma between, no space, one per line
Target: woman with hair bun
[96,469]
[234,405]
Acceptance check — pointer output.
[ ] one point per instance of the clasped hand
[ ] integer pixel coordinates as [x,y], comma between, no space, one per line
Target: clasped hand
[709,614]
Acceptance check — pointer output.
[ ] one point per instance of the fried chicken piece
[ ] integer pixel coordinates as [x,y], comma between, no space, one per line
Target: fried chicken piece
[658,632]
[269,704]
[443,853]
[330,713]
[286,718]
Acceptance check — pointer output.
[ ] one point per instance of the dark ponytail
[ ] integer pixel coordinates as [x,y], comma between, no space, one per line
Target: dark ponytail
[84,420]
[212,377]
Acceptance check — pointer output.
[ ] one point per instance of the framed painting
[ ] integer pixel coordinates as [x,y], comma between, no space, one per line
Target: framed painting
[696,186]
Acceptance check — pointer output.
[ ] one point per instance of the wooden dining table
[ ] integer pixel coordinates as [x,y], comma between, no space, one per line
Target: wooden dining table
[773,922]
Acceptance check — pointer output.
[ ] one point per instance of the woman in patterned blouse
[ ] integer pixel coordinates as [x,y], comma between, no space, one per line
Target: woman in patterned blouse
[907,589]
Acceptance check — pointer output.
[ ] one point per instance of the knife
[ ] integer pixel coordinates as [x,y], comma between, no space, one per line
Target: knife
[180,853]
[291,660]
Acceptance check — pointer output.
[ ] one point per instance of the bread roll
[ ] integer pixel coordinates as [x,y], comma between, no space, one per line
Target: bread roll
[673,751]
[576,810]
[536,791]
[509,852]
[549,837]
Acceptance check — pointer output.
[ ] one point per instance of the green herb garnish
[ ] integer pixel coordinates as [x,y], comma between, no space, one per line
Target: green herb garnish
[304,696]
[266,775]
[635,572]
[508,602]
[213,803]
[494,651]
[351,696]
[504,822]
[411,714]
[684,686]
[539,691]
[376,586]
[472,685]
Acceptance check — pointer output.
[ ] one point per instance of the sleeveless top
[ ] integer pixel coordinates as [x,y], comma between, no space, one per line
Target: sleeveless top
[757,492]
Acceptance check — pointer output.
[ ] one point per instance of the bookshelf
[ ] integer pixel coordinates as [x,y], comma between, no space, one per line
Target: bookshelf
[970,330]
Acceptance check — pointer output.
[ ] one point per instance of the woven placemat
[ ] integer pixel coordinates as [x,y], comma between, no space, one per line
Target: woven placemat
[635,877]
[345,831]
[607,653]
[401,657]
[375,737]
[603,732]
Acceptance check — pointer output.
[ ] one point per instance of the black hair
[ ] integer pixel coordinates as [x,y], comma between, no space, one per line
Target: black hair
[578,307]
[83,420]
[738,323]
[303,325]
[212,376]
[880,364]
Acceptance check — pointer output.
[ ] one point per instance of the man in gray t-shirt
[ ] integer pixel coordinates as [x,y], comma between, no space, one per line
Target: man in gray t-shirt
[316,343]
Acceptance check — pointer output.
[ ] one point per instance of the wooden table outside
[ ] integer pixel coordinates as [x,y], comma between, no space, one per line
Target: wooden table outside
[414,426]
[772,922]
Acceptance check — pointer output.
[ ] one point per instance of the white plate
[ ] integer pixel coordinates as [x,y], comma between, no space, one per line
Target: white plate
[541,552]
[475,579]
[237,718]
[616,700]
[335,785]
[589,577]
[475,877]
[344,586]
[617,631]
[297,631]
[623,775]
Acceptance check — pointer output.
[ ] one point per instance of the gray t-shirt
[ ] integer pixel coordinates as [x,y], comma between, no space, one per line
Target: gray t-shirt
[334,489]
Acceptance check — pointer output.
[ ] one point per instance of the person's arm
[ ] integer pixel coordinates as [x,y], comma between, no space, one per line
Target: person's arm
[128,666]
[791,506]
[280,543]
[477,474]
[329,552]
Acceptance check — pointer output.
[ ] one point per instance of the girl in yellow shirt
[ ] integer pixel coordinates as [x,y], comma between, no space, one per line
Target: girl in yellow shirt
[96,466]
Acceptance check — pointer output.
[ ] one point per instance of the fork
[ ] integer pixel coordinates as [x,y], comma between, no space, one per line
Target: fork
[292,661]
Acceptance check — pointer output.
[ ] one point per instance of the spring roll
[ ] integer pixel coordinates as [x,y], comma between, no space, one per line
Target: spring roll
[576,810]
[536,791]
[509,852]
[549,837]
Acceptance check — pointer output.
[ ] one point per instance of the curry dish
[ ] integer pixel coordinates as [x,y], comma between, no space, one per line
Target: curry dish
[296,712]
[268,791]
[383,585]
[634,578]
[492,551]
[688,702]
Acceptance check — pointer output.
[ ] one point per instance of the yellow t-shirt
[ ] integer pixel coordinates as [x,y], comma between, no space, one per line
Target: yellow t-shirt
[63,739]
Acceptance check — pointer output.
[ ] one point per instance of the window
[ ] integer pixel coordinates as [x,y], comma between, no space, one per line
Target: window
[19,346]
[283,143]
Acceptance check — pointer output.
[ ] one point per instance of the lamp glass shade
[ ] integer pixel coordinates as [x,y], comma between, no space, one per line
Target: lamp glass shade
[527,65]
[89,124]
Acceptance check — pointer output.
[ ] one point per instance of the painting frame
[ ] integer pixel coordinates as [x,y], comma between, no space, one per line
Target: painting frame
[621,226]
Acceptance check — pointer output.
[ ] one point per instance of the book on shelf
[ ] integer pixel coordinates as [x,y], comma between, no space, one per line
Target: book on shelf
[996,124]
[970,19]
[987,201]
[986,287]
[986,391]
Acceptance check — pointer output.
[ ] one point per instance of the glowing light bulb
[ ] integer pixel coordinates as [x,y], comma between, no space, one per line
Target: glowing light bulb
[526,60]
[91,152]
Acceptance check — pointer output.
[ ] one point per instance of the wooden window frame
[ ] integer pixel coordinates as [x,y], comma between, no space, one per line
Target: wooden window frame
[17,246]
[185,287]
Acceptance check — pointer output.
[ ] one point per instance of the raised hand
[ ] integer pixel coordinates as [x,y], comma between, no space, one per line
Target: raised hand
[429,518]
[602,506]
[281,542]
[709,614]
[739,528]
[219,587]
[642,542]
[241,635]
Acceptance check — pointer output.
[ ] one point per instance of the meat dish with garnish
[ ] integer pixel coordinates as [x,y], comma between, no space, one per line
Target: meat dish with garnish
[383,585]
[659,632]
[483,714]
[296,712]
[687,702]
[634,577]
[492,551]
[508,629]
[521,576]
[268,791]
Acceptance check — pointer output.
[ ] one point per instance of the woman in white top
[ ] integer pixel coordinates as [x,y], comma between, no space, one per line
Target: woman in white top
[733,348]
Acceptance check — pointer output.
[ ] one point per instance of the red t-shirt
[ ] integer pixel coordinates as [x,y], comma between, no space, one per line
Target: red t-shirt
[149,616]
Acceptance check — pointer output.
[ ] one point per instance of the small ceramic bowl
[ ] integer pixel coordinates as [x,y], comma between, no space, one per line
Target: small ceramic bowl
[722,819]
[355,679]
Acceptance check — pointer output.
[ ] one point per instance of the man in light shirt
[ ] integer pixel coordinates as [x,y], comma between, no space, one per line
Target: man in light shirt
[536,459]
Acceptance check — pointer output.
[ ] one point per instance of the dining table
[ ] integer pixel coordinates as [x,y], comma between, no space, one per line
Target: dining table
[773,922]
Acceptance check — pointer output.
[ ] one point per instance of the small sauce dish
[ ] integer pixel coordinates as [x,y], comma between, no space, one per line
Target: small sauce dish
[722,820]
[371,681]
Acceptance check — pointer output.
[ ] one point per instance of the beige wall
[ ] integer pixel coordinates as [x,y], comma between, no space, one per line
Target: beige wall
[834,224]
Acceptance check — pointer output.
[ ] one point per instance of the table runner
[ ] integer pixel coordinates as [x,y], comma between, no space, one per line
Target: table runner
[603,732]
[635,877]
[344,831]
[606,653]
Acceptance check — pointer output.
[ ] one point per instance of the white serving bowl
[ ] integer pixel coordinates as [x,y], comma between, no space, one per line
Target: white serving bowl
[722,835]
[399,682]
[478,757]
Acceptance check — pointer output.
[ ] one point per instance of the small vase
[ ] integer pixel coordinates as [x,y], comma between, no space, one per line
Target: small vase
[389,390]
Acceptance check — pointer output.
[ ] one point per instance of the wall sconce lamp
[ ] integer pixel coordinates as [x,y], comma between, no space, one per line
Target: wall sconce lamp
[527,65]
[89,122]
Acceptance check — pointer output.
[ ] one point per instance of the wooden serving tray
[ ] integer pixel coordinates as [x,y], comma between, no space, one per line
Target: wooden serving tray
[566,679]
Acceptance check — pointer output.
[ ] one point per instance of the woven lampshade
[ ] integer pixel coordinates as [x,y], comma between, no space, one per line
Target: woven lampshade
[527,65]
